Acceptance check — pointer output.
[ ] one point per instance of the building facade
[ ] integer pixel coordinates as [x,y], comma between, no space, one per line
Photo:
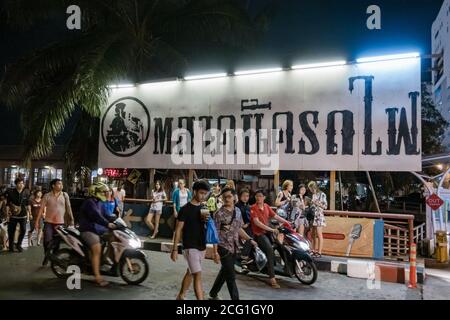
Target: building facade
[440,44]
[41,172]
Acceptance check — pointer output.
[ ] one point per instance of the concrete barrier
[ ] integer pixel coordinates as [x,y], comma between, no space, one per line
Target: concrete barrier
[386,271]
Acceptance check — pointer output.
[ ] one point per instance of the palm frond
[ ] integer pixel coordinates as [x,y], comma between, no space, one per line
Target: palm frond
[120,39]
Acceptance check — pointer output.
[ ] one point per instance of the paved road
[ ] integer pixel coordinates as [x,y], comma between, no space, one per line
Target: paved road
[23,278]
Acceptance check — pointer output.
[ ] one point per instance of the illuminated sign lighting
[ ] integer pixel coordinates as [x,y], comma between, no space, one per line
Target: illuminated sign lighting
[121,86]
[115,173]
[206,76]
[389,57]
[320,65]
[411,55]
[244,72]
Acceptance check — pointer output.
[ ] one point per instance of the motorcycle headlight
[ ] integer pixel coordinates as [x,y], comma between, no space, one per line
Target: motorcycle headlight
[303,245]
[135,243]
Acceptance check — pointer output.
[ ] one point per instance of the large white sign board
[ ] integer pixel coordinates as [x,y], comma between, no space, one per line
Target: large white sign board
[352,117]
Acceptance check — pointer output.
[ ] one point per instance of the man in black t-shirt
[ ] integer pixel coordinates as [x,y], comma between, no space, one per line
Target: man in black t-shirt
[17,201]
[192,225]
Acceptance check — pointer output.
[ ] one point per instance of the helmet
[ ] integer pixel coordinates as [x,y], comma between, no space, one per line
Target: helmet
[260,258]
[97,190]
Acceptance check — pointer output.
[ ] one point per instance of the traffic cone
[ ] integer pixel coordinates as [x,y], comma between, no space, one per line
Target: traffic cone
[412,267]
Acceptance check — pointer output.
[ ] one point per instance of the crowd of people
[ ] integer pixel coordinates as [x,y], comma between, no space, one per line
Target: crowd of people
[43,211]
[242,220]
[240,227]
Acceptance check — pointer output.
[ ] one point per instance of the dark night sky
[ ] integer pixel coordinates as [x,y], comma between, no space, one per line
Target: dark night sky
[300,31]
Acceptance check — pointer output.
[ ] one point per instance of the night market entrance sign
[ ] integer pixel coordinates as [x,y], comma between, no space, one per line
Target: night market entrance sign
[351,117]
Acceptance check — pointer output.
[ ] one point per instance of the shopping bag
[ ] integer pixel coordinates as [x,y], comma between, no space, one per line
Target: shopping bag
[212,236]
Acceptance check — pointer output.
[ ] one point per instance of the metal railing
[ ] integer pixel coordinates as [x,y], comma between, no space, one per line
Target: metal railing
[404,207]
[419,233]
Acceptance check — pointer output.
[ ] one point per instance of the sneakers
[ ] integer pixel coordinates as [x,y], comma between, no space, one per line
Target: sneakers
[45,261]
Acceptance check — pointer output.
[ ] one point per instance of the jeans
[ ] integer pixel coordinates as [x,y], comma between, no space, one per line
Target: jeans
[12,225]
[49,234]
[247,248]
[226,274]
[266,246]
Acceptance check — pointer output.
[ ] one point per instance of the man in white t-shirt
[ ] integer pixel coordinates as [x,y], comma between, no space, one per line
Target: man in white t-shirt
[119,193]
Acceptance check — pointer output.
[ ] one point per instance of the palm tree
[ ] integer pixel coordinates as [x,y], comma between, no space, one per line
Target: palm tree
[131,40]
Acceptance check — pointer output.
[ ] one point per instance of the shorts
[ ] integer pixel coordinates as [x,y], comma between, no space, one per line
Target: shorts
[301,221]
[90,238]
[194,259]
[155,211]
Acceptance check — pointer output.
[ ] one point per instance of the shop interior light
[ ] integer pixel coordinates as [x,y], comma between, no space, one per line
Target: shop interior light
[320,64]
[206,76]
[410,55]
[243,72]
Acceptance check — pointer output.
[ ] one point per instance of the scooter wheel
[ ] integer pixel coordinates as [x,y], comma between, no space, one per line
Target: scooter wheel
[308,273]
[65,258]
[139,268]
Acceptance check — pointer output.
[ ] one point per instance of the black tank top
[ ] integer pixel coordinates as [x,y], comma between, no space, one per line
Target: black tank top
[283,197]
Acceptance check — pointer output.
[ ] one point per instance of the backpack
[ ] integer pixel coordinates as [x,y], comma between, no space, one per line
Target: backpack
[228,224]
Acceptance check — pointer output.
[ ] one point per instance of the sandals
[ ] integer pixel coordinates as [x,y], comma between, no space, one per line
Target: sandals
[316,254]
[274,285]
[102,283]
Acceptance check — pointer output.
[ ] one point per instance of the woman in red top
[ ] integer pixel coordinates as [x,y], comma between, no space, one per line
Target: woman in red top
[260,214]
[34,207]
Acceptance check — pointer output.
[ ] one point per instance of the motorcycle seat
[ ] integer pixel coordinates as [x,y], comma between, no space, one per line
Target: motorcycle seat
[74,232]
